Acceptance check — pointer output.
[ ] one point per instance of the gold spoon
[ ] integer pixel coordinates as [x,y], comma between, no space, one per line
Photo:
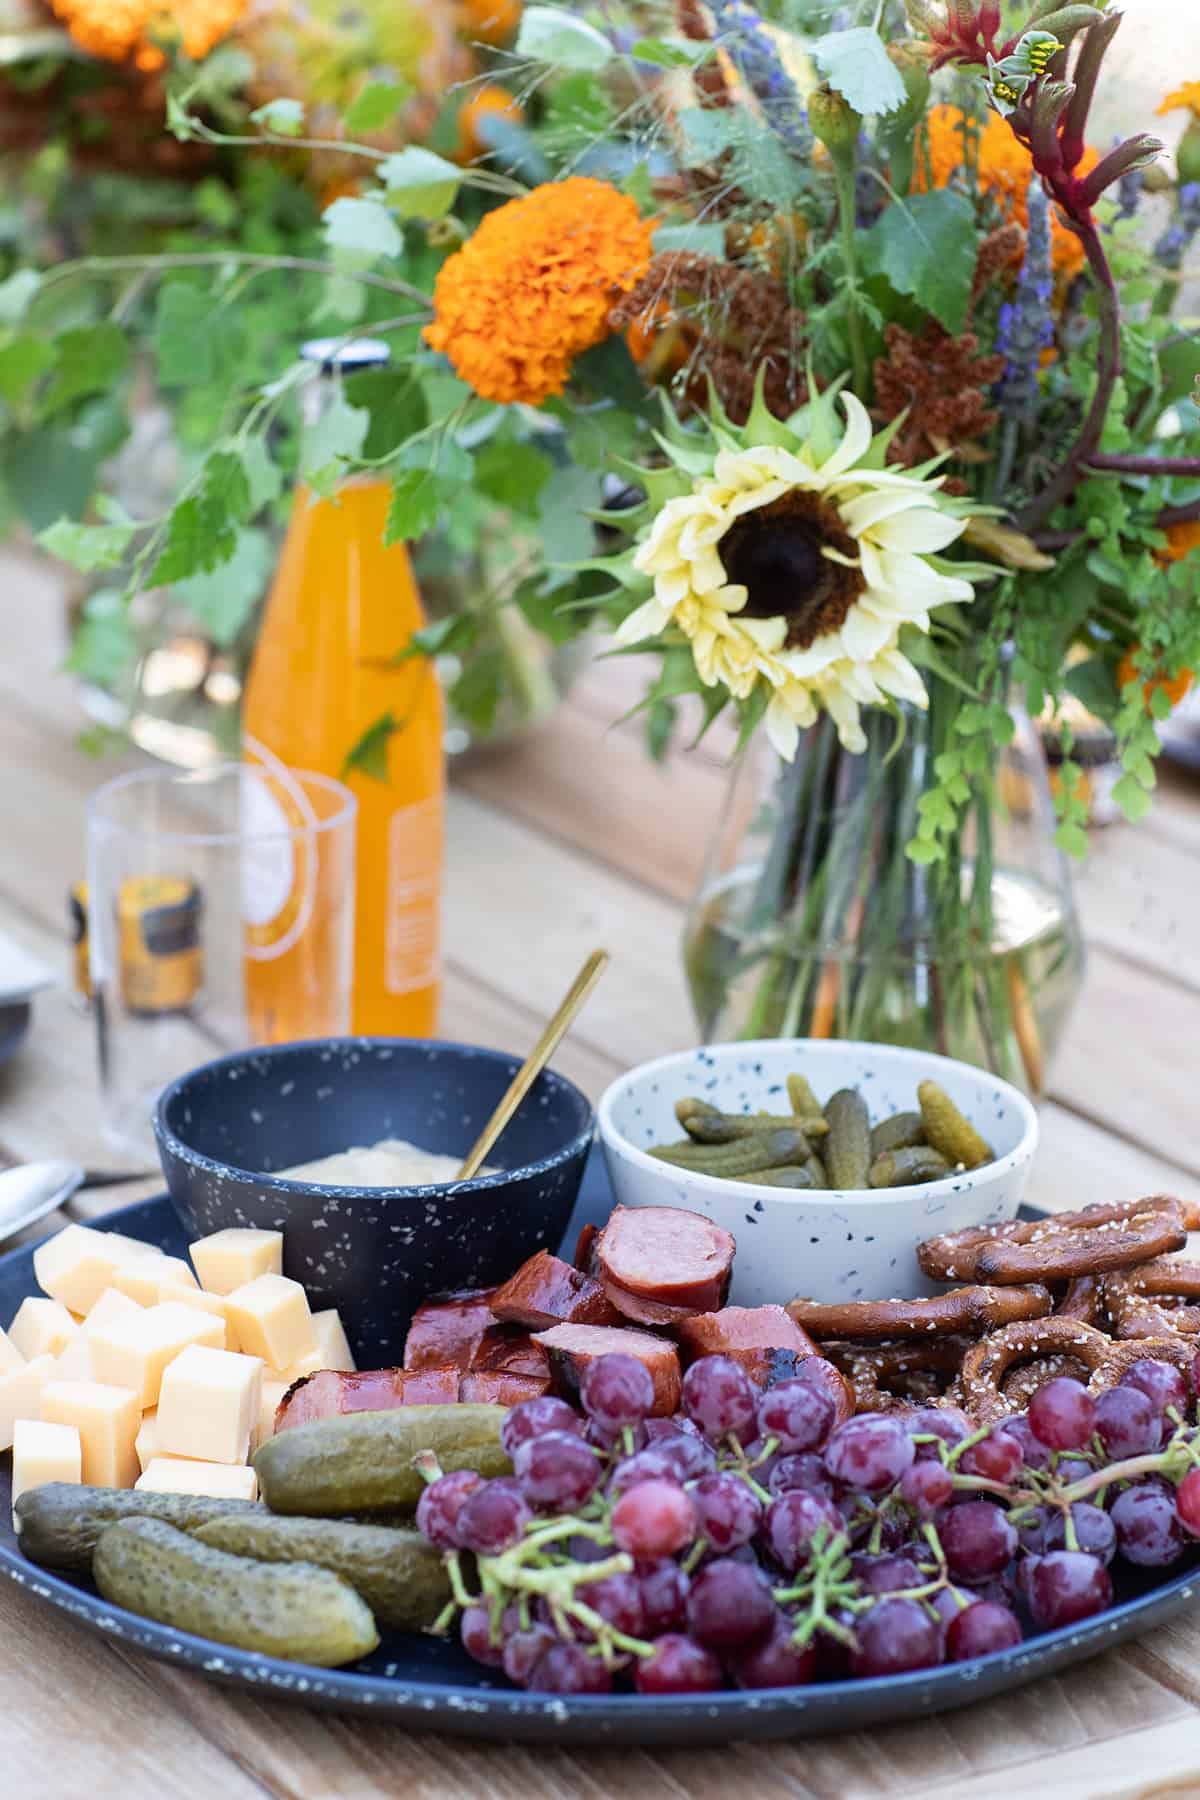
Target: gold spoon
[535,1062]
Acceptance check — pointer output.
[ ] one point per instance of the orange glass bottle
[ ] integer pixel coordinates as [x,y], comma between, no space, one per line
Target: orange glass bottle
[324,670]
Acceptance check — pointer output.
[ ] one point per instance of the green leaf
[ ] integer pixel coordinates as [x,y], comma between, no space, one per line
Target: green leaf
[671,53]
[22,364]
[183,336]
[263,476]
[1179,367]
[543,607]
[103,647]
[701,240]
[283,118]
[336,437]
[202,534]
[1132,798]
[856,64]
[50,471]
[16,295]
[477,693]
[1094,682]
[420,184]
[369,755]
[363,228]
[549,35]
[222,601]
[513,475]
[708,132]
[568,535]
[639,185]
[608,369]
[376,106]
[86,547]
[457,632]
[395,401]
[90,360]
[926,246]
[414,506]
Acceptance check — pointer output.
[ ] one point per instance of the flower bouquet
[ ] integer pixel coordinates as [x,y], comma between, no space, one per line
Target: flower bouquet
[838,368]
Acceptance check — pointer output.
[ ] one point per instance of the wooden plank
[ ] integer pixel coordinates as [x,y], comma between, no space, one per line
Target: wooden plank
[1160,1760]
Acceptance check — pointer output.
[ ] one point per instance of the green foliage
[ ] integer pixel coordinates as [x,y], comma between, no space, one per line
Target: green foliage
[376,106]
[362,228]
[548,34]
[856,65]
[223,601]
[182,335]
[283,118]
[89,360]
[419,184]
[926,247]
[87,547]
[369,756]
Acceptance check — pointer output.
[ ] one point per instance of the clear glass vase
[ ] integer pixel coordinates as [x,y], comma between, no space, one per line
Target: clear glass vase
[811,920]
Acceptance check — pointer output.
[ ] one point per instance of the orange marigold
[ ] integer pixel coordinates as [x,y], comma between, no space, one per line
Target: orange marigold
[532,287]
[1183,99]
[117,29]
[1175,687]
[489,21]
[1182,539]
[491,99]
[1005,167]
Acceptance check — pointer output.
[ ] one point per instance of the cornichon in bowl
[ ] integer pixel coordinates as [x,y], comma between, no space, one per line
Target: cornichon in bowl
[831,1146]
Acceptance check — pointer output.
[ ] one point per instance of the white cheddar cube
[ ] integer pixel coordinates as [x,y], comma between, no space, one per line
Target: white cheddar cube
[21,1395]
[272,1320]
[229,1259]
[41,1328]
[133,1353]
[272,1394]
[78,1264]
[216,1304]
[107,1419]
[11,1359]
[112,1305]
[141,1279]
[43,1453]
[146,1441]
[75,1362]
[181,1475]
[332,1341]
[209,1403]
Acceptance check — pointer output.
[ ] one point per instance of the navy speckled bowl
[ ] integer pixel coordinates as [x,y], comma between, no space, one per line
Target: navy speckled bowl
[374,1253]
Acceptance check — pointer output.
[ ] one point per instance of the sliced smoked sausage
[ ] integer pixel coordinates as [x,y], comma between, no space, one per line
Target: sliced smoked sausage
[507,1350]
[743,1328]
[495,1387]
[546,1291]
[330,1392]
[665,1254]
[573,1347]
[448,1329]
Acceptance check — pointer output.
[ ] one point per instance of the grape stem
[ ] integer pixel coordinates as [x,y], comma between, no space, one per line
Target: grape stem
[828,1582]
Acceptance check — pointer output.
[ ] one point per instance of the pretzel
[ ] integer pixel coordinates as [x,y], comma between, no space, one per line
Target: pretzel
[954,1256]
[1135,1300]
[988,1362]
[1083,1299]
[1021,1384]
[1057,1252]
[887,1376]
[964,1311]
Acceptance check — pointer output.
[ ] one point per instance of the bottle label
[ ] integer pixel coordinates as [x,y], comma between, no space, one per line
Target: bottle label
[414,879]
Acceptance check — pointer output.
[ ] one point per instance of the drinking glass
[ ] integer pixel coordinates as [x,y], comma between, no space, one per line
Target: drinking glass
[220,907]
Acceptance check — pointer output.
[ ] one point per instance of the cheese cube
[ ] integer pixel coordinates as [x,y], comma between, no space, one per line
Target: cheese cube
[146,1441]
[41,1328]
[229,1259]
[216,1304]
[21,1395]
[78,1264]
[209,1404]
[272,1320]
[179,1475]
[141,1279]
[75,1362]
[112,1305]
[133,1353]
[11,1358]
[43,1453]
[332,1351]
[272,1394]
[107,1419]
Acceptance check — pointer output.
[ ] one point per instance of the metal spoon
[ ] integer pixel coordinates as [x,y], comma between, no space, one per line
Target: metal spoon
[30,1191]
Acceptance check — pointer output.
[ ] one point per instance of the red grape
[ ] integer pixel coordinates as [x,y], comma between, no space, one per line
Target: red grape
[978,1540]
[894,1636]
[653,1519]
[1148,1529]
[524,1649]
[492,1518]
[776,1662]
[1162,1383]
[618,1600]
[1032,1527]
[475,1629]
[678,1666]
[664,1595]
[557,1471]
[685,1457]
[997,1457]
[886,1574]
[729,1604]
[1032,1449]
[616,1391]
[982,1629]
[534,1418]
[568,1669]
[798,1413]
[440,1504]
[1094,1531]
[1066,1586]
[678,1425]
[1062,1414]
[720,1397]
[805,1471]
[1187,1501]
[871,1452]
[727,1512]
[945,1422]
[650,1464]
[925,1487]
[1128,1421]
[793,1521]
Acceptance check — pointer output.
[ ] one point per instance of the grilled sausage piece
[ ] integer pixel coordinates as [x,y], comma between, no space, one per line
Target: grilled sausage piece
[330,1392]
[737,1328]
[497,1388]
[546,1291]
[573,1347]
[449,1329]
[507,1350]
[665,1254]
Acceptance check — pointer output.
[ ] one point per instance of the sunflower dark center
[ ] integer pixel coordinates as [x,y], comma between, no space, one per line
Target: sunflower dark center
[777,553]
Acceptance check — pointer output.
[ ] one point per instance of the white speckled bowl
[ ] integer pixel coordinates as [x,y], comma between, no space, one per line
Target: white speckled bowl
[856,1245]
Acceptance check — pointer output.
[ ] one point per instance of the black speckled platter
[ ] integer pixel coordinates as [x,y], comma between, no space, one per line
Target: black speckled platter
[432,1686]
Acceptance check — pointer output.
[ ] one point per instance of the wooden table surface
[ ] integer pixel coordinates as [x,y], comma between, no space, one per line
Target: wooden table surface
[568,841]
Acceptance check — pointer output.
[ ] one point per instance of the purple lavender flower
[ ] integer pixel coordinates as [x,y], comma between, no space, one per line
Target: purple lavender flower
[1172,246]
[1025,327]
[753,53]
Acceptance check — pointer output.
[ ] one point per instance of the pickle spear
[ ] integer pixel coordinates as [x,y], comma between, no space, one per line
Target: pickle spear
[399,1574]
[364,1462]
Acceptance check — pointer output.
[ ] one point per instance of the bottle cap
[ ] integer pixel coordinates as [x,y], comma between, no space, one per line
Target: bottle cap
[346,358]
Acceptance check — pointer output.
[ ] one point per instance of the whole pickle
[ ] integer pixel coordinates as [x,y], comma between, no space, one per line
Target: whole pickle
[60,1524]
[802,1099]
[949,1131]
[399,1574]
[714,1127]
[908,1167]
[816,1171]
[780,1178]
[768,1150]
[363,1462]
[900,1132]
[847,1149]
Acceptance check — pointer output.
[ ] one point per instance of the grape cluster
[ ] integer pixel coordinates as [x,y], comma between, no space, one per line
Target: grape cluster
[751,1539]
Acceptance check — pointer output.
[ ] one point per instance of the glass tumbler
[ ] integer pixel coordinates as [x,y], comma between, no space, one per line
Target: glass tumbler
[220,909]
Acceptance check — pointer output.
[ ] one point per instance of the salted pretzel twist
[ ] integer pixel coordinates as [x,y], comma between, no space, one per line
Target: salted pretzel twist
[964,1311]
[1096,1241]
